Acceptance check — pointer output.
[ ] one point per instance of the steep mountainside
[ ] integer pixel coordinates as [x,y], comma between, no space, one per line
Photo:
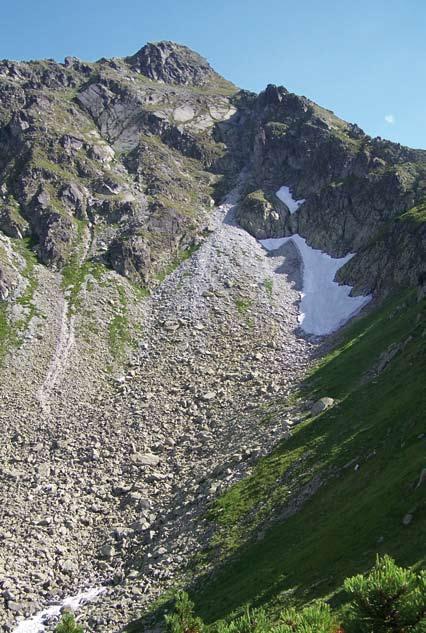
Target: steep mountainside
[355,189]
[151,350]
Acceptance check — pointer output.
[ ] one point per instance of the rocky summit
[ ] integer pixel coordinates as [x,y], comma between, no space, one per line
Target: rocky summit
[176,410]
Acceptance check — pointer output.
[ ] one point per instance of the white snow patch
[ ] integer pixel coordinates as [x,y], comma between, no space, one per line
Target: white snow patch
[37,623]
[284,194]
[325,305]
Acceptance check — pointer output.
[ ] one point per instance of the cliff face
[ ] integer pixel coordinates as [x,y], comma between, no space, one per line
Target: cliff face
[357,190]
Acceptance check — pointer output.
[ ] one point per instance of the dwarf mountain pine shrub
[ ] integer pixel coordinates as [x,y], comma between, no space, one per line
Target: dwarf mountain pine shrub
[183,619]
[68,625]
[389,599]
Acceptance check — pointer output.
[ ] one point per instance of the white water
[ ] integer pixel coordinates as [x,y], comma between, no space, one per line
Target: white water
[325,305]
[38,622]
[284,194]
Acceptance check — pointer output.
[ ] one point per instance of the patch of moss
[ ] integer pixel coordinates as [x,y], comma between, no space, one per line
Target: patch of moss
[53,168]
[141,292]
[243,305]
[215,87]
[256,196]
[118,330]
[269,286]
[416,215]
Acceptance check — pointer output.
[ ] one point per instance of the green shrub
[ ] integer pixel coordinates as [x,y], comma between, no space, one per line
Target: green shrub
[316,618]
[183,619]
[389,599]
[250,622]
[68,625]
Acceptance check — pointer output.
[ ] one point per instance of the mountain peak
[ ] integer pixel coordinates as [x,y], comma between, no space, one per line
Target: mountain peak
[172,63]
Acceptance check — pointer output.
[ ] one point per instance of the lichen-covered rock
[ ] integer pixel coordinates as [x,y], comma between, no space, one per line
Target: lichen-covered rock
[260,218]
[75,197]
[11,221]
[321,405]
[56,239]
[131,257]
[4,285]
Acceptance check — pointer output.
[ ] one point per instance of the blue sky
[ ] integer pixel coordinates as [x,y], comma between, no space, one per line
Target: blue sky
[364,60]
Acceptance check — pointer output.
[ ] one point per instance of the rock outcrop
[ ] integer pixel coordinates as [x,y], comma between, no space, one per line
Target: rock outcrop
[357,190]
[260,217]
[172,64]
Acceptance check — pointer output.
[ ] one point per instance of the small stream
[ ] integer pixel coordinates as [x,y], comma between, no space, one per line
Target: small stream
[37,623]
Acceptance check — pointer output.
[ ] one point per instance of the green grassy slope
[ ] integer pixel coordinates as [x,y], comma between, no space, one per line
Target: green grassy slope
[368,451]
